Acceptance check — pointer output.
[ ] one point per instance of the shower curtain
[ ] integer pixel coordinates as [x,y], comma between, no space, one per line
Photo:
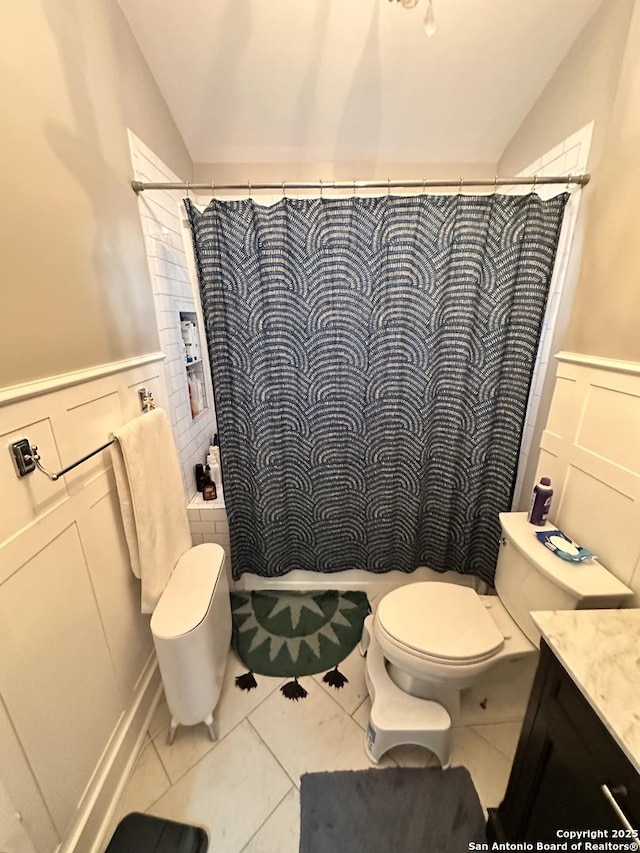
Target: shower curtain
[371,360]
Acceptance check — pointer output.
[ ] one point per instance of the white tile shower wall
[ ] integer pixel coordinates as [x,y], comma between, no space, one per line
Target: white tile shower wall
[569,157]
[208,523]
[175,289]
[75,648]
[590,449]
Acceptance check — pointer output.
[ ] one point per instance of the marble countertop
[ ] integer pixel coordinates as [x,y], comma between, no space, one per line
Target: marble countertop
[600,649]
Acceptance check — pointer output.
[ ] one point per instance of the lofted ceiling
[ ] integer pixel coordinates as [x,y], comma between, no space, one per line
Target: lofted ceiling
[352,80]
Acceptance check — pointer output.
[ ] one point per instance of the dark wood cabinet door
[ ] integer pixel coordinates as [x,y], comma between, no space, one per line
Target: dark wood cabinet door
[564,757]
[568,792]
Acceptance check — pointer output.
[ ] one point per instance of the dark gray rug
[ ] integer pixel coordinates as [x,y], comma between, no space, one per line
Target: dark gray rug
[404,810]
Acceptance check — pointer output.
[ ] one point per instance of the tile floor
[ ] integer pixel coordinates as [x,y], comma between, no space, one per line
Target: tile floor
[244,787]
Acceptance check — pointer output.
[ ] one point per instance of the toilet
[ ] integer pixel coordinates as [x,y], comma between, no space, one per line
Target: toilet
[435,639]
[191,627]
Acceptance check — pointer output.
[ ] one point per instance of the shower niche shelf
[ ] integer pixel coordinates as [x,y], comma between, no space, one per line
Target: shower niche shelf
[194,365]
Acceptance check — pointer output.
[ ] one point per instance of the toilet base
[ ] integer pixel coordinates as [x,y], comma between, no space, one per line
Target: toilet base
[448,697]
[396,718]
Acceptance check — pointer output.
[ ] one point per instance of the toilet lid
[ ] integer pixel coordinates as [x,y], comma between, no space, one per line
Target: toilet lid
[440,620]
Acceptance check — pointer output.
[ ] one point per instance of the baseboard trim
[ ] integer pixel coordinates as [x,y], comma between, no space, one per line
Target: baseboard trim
[26,390]
[613,364]
[98,806]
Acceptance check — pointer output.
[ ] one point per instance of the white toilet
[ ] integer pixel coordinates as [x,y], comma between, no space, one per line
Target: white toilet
[429,641]
[191,627]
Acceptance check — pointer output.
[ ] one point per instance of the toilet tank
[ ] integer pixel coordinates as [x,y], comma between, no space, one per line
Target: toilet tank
[530,577]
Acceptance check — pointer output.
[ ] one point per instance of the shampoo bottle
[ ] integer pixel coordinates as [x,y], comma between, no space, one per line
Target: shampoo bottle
[216,474]
[209,487]
[213,460]
[541,502]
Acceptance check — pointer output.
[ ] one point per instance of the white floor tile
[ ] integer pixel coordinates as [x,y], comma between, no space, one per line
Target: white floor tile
[361,714]
[238,788]
[489,768]
[193,742]
[281,831]
[312,734]
[160,719]
[500,695]
[503,736]
[230,792]
[147,782]
[351,695]
[236,704]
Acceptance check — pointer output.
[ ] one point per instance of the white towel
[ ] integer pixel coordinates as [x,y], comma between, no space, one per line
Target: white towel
[152,501]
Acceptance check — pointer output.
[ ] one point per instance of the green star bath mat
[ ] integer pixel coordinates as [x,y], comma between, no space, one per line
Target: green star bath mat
[289,634]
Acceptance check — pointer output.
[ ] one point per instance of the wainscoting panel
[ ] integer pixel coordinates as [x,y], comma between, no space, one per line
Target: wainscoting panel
[117,591]
[59,664]
[89,419]
[77,672]
[591,451]
[610,426]
[38,494]
[22,789]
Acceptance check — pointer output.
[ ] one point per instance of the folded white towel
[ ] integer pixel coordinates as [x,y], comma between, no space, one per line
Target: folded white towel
[152,501]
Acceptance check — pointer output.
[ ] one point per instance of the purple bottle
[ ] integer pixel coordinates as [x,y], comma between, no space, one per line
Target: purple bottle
[541,502]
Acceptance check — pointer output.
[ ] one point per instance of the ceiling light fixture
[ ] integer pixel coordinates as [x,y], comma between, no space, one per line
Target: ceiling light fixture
[429,18]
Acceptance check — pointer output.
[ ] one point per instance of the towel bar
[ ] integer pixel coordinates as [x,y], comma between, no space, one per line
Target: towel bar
[52,476]
[26,457]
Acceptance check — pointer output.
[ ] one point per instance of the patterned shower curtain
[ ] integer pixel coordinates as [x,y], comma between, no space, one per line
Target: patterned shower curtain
[371,360]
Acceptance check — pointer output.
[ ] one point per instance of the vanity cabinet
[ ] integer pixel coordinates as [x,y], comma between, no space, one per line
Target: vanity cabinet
[568,771]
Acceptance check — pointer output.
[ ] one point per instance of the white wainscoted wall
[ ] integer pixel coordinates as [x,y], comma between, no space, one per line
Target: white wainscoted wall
[77,671]
[591,450]
[13,836]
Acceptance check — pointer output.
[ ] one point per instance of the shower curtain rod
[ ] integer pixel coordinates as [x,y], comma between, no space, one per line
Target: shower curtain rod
[580,180]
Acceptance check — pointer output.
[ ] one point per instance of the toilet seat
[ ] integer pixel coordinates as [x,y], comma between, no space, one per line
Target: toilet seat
[438,623]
